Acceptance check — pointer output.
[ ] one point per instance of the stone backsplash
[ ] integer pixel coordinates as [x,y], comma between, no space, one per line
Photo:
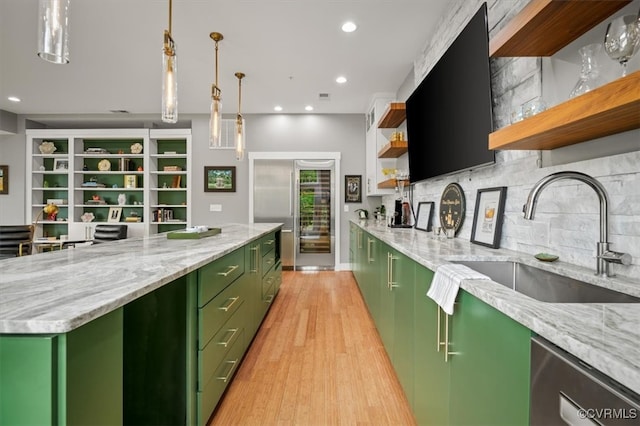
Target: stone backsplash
[567,216]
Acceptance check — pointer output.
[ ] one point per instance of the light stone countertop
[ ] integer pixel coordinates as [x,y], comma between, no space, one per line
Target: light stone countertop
[56,292]
[605,336]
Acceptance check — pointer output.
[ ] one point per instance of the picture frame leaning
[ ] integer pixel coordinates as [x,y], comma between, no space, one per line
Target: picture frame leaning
[488,216]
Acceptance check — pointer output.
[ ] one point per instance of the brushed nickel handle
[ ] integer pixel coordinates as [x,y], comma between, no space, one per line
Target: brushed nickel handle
[234,331]
[269,299]
[227,307]
[359,238]
[392,284]
[254,249]
[388,271]
[446,340]
[439,325]
[369,242]
[233,363]
[269,242]
[230,270]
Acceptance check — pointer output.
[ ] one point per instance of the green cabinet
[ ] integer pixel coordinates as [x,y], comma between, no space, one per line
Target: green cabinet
[471,368]
[431,372]
[490,372]
[70,379]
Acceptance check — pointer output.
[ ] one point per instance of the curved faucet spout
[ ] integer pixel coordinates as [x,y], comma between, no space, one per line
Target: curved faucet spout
[530,207]
[604,255]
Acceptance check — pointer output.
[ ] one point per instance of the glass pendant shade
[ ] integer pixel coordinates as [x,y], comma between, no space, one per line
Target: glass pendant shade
[53,31]
[239,138]
[169,86]
[215,122]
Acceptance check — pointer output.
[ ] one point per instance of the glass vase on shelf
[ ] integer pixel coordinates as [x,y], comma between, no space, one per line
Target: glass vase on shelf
[590,72]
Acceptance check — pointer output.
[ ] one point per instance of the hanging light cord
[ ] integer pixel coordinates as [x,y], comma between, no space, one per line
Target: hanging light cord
[169,46]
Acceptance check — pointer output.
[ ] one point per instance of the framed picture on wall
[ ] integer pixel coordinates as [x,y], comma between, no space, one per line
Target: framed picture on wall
[353,188]
[220,179]
[487,216]
[4,179]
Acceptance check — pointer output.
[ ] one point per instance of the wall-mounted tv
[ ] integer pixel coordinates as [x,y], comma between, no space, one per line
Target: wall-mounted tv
[449,114]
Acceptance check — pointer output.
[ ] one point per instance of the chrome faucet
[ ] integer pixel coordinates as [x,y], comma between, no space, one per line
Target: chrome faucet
[604,255]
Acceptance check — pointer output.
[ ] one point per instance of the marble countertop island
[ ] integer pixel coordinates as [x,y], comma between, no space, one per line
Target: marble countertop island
[604,335]
[56,292]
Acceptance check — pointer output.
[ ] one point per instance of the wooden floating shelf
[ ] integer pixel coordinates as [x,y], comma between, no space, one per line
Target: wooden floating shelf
[607,110]
[545,26]
[390,183]
[393,149]
[393,116]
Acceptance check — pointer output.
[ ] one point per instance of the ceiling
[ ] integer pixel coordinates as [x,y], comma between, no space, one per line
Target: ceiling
[290,50]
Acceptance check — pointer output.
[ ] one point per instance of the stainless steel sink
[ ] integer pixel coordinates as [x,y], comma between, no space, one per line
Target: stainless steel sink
[546,286]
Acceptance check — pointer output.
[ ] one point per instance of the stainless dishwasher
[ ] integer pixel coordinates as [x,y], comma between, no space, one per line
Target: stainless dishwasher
[565,391]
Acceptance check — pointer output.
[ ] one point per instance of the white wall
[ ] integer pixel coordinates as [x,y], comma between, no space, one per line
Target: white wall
[566,221]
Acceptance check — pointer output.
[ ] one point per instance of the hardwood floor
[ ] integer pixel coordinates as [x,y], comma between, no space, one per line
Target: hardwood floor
[316,360]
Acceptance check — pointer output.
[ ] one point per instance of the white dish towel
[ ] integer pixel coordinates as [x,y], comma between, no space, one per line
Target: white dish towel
[446,283]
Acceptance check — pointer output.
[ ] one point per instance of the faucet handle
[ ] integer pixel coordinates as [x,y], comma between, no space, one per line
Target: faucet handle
[616,257]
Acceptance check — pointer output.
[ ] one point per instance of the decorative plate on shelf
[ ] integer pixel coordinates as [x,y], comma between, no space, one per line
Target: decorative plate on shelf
[136,148]
[452,207]
[104,165]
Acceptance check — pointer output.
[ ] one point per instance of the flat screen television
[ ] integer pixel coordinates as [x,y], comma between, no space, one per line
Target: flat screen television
[449,114]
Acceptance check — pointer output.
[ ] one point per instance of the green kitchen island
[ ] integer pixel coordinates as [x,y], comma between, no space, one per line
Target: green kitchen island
[139,331]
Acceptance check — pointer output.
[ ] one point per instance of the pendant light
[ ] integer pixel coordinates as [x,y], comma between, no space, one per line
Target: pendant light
[239,122]
[215,123]
[53,31]
[169,76]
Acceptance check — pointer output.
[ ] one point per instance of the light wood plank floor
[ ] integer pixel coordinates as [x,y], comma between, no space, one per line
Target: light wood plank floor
[316,360]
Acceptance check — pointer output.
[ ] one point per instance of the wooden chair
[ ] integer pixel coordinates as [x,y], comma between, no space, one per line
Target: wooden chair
[105,233]
[15,240]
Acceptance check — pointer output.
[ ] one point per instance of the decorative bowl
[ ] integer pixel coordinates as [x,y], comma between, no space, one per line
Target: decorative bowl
[136,148]
[47,147]
[87,217]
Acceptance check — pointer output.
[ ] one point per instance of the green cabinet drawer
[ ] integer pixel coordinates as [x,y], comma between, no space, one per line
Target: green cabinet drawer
[208,398]
[217,275]
[210,357]
[268,243]
[268,260]
[214,314]
[268,283]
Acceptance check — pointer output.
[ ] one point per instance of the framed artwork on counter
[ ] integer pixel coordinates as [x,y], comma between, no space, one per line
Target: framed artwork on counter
[424,216]
[4,179]
[488,215]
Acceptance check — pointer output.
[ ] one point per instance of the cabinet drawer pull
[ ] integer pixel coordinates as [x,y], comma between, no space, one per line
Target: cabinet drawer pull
[225,378]
[234,331]
[269,242]
[227,307]
[269,299]
[230,270]
[269,262]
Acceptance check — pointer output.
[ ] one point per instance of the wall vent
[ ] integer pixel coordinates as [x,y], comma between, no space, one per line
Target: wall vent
[324,96]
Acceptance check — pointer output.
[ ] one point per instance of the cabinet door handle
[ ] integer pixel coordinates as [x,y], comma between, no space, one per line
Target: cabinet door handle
[225,344]
[446,339]
[359,239]
[388,271]
[225,378]
[227,307]
[230,270]
[439,340]
[369,242]
[254,261]
[392,284]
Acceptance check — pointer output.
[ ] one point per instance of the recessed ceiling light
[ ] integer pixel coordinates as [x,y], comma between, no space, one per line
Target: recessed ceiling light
[277,108]
[349,27]
[342,79]
[308,108]
[14,99]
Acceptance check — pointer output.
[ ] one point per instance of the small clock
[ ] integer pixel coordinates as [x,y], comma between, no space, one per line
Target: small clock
[452,207]
[104,165]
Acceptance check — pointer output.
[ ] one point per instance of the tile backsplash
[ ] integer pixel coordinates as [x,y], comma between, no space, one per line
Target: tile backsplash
[567,216]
